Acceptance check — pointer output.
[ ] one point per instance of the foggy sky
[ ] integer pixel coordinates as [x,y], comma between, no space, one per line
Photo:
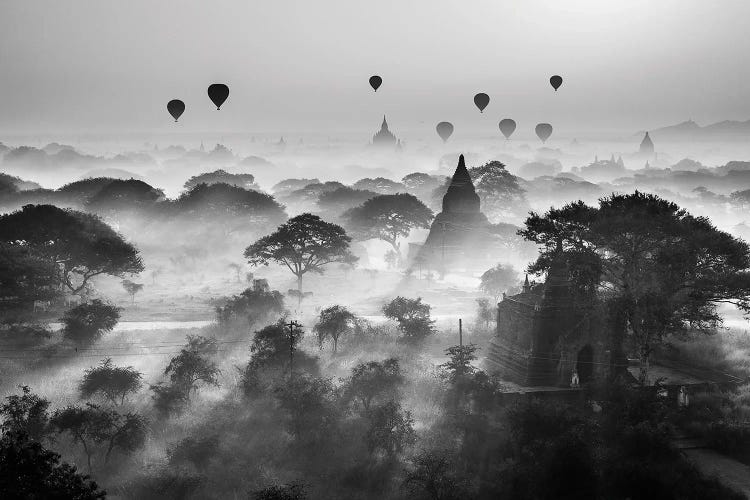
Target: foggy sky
[302,66]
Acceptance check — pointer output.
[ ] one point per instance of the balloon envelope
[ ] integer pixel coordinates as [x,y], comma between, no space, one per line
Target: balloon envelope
[543,131]
[218,93]
[375,82]
[176,107]
[444,130]
[555,81]
[507,127]
[481,100]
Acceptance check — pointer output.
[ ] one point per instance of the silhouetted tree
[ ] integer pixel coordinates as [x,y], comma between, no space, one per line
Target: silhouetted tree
[310,406]
[334,203]
[121,196]
[113,383]
[92,425]
[24,279]
[253,304]
[459,361]
[499,191]
[374,381]
[391,429]
[31,471]
[244,181]
[132,288]
[413,317]
[665,269]
[389,217]
[79,244]
[333,322]
[26,414]
[303,244]
[88,322]
[192,365]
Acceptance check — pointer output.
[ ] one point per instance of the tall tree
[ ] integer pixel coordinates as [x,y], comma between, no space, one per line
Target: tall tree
[304,243]
[661,269]
[389,217]
[499,191]
[374,381]
[333,322]
[79,244]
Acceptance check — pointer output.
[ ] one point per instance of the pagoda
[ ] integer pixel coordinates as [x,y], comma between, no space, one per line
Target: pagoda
[384,138]
[459,235]
[647,146]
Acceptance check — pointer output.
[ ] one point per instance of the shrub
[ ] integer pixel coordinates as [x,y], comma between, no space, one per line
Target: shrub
[88,322]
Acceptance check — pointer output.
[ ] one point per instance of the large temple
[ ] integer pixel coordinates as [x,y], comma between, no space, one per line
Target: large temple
[543,337]
[384,138]
[459,236]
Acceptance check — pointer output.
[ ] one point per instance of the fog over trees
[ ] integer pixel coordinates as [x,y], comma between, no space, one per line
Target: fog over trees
[348,253]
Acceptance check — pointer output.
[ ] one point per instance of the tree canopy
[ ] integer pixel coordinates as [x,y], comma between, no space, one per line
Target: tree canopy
[499,191]
[333,322]
[303,244]
[389,217]
[665,269]
[80,244]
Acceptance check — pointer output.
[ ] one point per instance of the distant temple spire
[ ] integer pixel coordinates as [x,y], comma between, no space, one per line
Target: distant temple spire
[647,145]
[384,137]
[526,285]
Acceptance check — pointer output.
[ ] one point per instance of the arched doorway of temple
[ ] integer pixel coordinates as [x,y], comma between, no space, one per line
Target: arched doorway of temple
[585,364]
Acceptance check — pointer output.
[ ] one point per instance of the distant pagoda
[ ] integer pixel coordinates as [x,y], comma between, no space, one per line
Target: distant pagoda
[647,146]
[384,138]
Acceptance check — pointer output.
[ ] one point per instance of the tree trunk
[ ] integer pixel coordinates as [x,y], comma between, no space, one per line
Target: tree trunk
[397,249]
[88,454]
[299,291]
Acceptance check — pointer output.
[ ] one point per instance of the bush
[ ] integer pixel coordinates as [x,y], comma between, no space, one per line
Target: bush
[88,322]
[111,382]
[31,471]
[413,317]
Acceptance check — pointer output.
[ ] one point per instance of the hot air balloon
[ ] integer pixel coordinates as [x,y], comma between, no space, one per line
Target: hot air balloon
[555,81]
[481,100]
[543,131]
[507,127]
[375,82]
[444,130]
[176,107]
[218,93]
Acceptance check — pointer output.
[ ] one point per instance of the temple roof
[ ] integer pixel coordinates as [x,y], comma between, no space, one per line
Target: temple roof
[384,136]
[461,196]
[647,145]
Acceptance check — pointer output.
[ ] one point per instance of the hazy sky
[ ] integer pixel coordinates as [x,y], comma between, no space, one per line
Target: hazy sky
[97,65]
